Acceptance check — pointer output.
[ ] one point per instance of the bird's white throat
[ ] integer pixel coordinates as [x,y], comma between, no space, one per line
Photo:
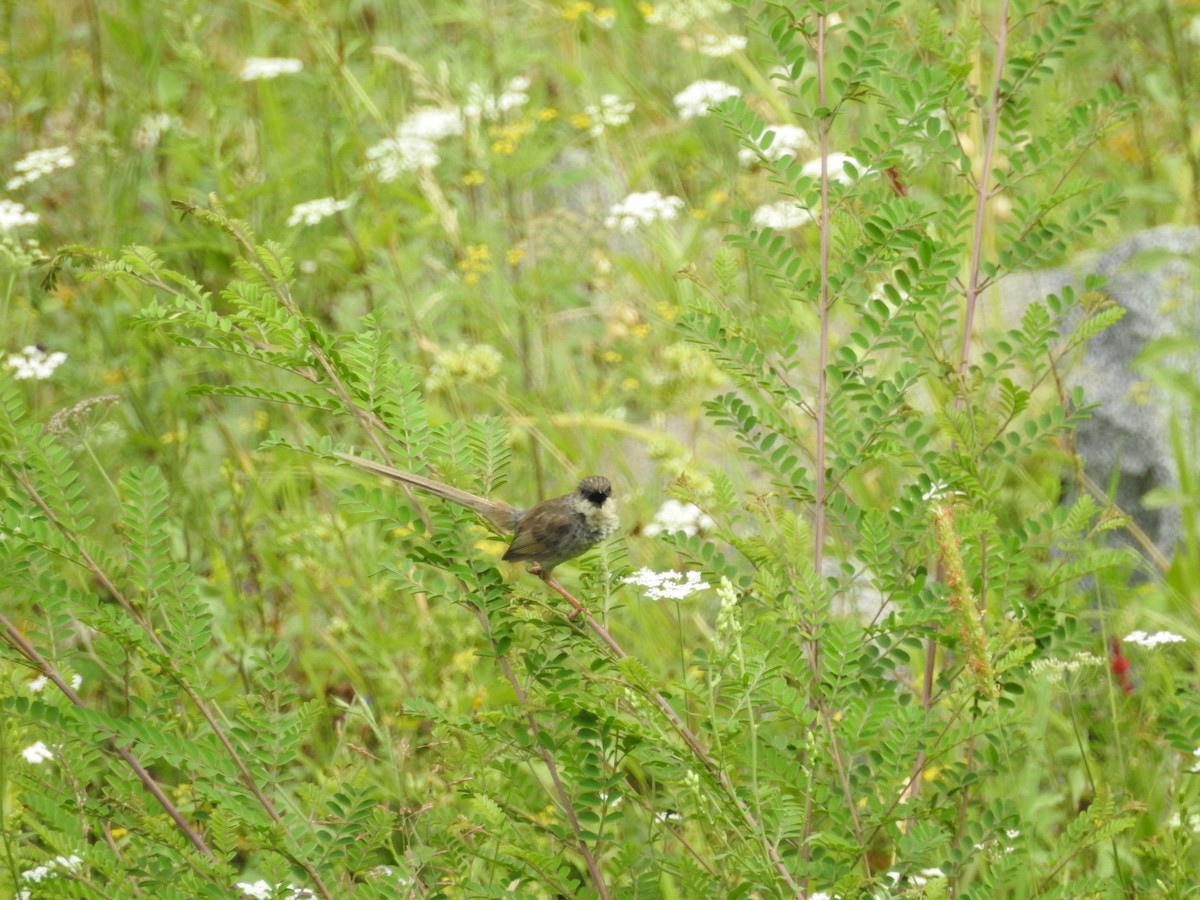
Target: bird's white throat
[601,519]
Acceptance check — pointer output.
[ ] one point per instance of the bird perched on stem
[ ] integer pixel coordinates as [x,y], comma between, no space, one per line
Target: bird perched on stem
[546,534]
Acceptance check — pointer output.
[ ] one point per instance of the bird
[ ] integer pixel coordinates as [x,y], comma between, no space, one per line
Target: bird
[546,534]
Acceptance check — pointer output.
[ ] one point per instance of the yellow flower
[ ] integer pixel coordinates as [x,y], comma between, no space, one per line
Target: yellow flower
[629,384]
[514,256]
[573,11]
[546,113]
[474,178]
[610,356]
[640,331]
[477,260]
[582,121]
[504,147]
[645,9]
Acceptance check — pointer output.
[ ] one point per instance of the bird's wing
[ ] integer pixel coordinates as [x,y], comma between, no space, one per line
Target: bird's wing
[539,538]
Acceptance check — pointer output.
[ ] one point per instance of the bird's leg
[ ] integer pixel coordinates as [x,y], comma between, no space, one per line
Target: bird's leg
[536,569]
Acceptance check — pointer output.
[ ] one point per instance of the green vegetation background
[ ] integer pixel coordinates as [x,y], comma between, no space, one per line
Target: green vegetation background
[493,277]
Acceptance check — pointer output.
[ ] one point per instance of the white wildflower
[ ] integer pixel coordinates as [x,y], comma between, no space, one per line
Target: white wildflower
[52,868]
[925,874]
[34,362]
[1153,640]
[717,45]
[837,170]
[313,211]
[14,214]
[259,68]
[38,753]
[393,156]
[150,131]
[695,99]
[676,516]
[1053,670]
[610,112]
[788,140]
[1196,765]
[782,216]
[38,684]
[37,163]
[680,15]
[481,105]
[431,123]
[642,209]
[667,585]
[259,890]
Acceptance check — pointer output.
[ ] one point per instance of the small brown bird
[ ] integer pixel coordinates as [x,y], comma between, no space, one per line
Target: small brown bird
[547,534]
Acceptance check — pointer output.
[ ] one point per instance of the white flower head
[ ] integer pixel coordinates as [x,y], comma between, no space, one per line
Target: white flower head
[38,753]
[642,209]
[788,140]
[313,211]
[695,99]
[394,156]
[782,216]
[1153,640]
[15,214]
[264,68]
[39,684]
[35,363]
[837,170]
[680,15]
[259,890]
[610,112]
[481,105]
[676,516]
[36,163]
[150,131]
[667,585]
[718,45]
[52,868]
[431,123]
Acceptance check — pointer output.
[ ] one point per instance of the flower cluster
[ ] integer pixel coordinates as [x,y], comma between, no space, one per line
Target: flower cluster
[1054,670]
[34,165]
[786,140]
[675,516]
[1153,640]
[313,211]
[34,362]
[695,99]
[150,131]
[717,46]
[14,214]
[264,68]
[413,146]
[263,890]
[481,105]
[642,209]
[667,585]
[610,112]
[782,216]
[679,15]
[53,868]
[37,753]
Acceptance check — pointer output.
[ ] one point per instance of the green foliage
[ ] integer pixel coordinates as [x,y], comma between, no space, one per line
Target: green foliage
[232,665]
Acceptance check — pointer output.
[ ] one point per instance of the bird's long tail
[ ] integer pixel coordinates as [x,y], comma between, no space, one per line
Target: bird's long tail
[503,516]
